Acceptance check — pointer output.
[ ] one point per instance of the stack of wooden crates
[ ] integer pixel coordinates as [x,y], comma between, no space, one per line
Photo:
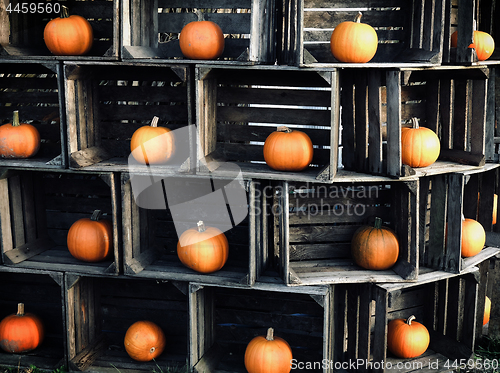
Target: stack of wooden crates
[289,265]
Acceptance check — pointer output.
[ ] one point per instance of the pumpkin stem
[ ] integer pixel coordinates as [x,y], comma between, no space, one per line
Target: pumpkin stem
[20,309]
[284,129]
[15,119]
[414,123]
[96,215]
[270,334]
[378,223]
[201,226]
[154,122]
[200,15]
[410,319]
[64,11]
[358,17]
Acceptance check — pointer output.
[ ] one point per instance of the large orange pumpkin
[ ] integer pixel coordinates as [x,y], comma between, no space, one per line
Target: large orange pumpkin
[18,140]
[407,338]
[201,40]
[483,43]
[204,249]
[288,150]
[144,341]
[487,310]
[68,35]
[91,239]
[375,247]
[420,146]
[21,332]
[268,354]
[354,42]
[152,144]
[473,237]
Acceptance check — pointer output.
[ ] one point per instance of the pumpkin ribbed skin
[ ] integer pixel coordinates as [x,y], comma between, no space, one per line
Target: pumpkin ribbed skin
[375,247]
[90,239]
[144,341]
[473,237]
[288,150]
[152,144]
[68,35]
[18,140]
[201,40]
[354,42]
[21,332]
[407,338]
[420,146]
[487,310]
[268,354]
[203,249]
[483,43]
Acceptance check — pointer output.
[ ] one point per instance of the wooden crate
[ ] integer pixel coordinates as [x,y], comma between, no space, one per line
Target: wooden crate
[37,210]
[151,230]
[444,199]
[33,88]
[377,103]
[314,224]
[100,310]
[224,320]
[107,102]
[238,108]
[21,32]
[151,29]
[42,293]
[408,33]
[448,305]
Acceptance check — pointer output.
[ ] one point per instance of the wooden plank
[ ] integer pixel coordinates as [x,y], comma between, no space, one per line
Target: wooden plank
[375,126]
[393,79]
[454,223]
[437,226]
[478,120]
[348,134]
[379,348]
[361,120]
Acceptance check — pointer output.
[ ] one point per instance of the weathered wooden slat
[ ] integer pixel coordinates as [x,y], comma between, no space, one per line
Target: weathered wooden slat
[230,23]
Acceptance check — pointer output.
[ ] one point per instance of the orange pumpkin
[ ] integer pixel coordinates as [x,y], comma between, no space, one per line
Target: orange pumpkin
[354,42]
[144,341]
[487,310]
[204,249]
[18,140]
[68,35]
[473,237]
[201,40]
[495,208]
[152,144]
[375,247]
[268,354]
[91,239]
[21,332]
[407,338]
[420,146]
[288,150]
[482,42]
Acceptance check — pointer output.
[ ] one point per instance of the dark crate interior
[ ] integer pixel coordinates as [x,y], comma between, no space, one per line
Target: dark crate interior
[33,90]
[43,206]
[114,305]
[42,296]
[24,37]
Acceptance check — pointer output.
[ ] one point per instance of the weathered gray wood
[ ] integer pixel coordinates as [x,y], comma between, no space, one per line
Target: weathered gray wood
[374,129]
[379,349]
[437,226]
[452,255]
[393,79]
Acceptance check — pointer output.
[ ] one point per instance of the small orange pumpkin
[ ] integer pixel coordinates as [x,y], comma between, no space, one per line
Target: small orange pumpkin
[487,310]
[482,42]
[152,144]
[21,332]
[354,42]
[420,146]
[407,338]
[375,247]
[18,140]
[473,237]
[495,208]
[144,341]
[268,354]
[201,40]
[68,35]
[204,249]
[288,150]
[91,239]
